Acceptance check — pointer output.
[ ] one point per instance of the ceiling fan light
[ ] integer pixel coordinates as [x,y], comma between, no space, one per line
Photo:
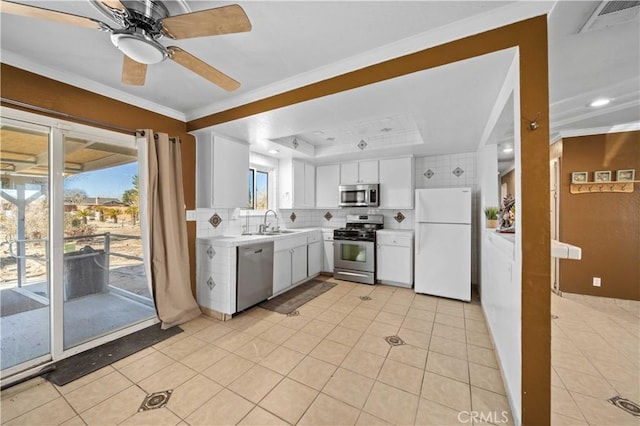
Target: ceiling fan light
[600,102]
[140,48]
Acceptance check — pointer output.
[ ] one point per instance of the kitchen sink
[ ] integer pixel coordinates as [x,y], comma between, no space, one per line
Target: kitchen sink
[282,231]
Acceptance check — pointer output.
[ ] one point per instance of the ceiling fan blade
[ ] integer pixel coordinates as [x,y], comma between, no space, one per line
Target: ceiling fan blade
[48,15]
[203,69]
[113,4]
[221,20]
[133,73]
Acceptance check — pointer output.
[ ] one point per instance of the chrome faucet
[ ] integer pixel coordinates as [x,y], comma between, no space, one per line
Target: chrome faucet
[265,225]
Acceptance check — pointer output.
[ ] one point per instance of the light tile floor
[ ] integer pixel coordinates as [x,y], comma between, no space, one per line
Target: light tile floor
[329,365]
[595,355]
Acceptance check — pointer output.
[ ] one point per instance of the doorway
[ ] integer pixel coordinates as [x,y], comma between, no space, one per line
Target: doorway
[71,248]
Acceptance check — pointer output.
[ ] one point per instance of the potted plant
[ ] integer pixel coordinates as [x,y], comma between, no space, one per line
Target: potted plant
[491,213]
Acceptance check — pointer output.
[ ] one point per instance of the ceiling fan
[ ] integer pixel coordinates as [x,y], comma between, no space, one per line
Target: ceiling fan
[140,26]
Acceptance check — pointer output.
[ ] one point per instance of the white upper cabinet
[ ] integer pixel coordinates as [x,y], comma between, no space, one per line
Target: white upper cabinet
[309,186]
[349,173]
[222,168]
[396,183]
[327,182]
[296,184]
[360,172]
[368,171]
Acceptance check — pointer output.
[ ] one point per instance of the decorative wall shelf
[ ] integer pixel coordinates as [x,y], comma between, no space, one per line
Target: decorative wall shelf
[591,187]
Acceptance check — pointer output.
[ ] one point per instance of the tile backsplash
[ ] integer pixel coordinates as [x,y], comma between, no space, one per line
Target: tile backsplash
[304,218]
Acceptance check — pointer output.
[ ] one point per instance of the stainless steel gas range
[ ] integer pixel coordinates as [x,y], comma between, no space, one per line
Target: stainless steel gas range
[354,248]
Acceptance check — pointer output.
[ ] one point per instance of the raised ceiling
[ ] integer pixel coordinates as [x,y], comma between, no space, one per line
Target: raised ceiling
[296,43]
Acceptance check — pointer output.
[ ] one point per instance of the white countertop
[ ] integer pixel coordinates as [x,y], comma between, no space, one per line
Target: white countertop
[558,249]
[240,240]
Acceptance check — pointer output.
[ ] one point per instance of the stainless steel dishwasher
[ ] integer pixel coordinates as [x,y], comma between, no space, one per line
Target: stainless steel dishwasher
[254,274]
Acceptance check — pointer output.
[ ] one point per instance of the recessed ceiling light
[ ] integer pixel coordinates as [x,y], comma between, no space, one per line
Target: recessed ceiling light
[599,102]
[508,149]
[273,151]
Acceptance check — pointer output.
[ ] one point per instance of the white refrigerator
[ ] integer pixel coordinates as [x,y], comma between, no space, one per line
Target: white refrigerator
[443,242]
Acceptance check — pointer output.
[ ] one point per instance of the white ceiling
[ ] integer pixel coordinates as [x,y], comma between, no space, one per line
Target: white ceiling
[293,43]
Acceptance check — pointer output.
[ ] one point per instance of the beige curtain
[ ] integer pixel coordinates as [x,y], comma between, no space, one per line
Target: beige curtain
[169,257]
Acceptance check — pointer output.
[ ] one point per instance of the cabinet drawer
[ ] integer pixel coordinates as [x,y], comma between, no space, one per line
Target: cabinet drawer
[327,236]
[314,236]
[392,239]
[289,243]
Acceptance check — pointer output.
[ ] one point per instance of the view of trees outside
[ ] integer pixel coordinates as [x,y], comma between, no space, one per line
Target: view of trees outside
[258,190]
[86,219]
[262,187]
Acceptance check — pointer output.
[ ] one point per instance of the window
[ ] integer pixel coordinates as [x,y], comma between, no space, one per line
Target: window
[258,190]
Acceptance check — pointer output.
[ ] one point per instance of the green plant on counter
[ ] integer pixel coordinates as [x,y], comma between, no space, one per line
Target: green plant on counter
[491,213]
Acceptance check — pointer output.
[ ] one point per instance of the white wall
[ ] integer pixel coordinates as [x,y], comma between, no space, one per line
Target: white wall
[501,259]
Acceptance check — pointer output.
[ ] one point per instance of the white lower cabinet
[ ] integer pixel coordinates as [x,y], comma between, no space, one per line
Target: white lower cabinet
[327,241]
[289,263]
[298,264]
[395,257]
[281,270]
[314,253]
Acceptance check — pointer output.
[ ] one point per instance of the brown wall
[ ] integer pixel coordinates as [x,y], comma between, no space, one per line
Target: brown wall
[23,86]
[605,225]
[510,180]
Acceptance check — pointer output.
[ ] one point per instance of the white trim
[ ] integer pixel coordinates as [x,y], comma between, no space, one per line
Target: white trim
[25,369]
[494,18]
[618,128]
[596,113]
[554,137]
[56,241]
[503,97]
[143,182]
[19,61]
[507,171]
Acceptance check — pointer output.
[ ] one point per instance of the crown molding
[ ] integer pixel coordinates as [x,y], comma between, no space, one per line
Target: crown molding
[572,133]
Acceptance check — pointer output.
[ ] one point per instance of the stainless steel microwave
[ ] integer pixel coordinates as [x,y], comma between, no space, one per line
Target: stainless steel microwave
[363,195]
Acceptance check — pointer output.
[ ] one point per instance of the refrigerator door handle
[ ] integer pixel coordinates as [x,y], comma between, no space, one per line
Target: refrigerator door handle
[419,237]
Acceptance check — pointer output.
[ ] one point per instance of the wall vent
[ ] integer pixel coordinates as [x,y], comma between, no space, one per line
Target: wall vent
[611,13]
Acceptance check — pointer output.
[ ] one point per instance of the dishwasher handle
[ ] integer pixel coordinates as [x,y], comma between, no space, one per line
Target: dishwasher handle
[250,251]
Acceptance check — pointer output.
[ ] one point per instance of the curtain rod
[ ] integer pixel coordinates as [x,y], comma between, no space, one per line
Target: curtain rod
[67,116]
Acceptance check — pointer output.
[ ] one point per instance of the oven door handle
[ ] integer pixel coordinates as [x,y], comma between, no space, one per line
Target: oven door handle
[353,274]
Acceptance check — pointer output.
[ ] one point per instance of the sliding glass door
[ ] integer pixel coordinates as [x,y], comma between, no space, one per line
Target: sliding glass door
[72,260]
[105,287]
[25,287]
